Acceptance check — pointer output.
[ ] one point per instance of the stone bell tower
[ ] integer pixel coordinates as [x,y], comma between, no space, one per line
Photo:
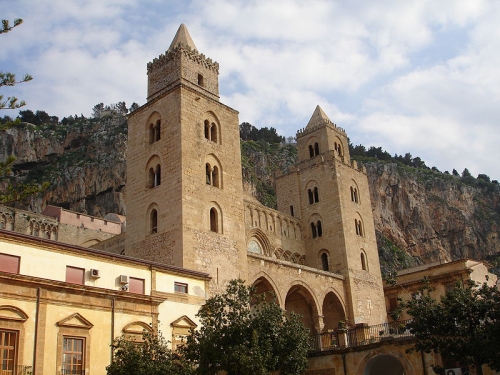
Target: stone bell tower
[331,196]
[184,182]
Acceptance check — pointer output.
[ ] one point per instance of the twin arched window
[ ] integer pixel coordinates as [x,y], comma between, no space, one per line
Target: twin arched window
[354,195]
[359,227]
[155,176]
[154,132]
[211,131]
[338,148]
[313,150]
[212,175]
[316,229]
[313,195]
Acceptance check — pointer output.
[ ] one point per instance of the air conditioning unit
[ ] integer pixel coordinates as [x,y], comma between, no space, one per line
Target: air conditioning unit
[95,274]
[453,371]
[123,279]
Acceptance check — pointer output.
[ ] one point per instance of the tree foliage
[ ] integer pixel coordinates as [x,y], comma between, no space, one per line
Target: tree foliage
[248,132]
[152,357]
[464,325]
[242,338]
[9,79]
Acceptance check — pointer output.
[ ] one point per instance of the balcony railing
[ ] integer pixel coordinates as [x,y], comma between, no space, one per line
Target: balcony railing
[16,370]
[361,335]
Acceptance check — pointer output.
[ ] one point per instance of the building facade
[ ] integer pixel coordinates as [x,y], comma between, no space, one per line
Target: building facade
[61,306]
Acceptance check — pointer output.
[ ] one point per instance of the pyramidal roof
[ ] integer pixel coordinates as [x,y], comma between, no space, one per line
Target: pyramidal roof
[182,36]
[318,117]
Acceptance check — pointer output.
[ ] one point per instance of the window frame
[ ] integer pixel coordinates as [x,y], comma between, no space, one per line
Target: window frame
[72,277]
[13,258]
[71,353]
[4,362]
[181,287]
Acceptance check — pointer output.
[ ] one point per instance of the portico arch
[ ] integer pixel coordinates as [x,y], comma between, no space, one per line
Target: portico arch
[300,300]
[263,285]
[333,311]
[384,364]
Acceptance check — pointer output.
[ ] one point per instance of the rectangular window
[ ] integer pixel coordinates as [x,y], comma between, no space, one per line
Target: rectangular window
[136,285]
[393,303]
[73,360]
[180,287]
[75,275]
[291,210]
[9,263]
[8,351]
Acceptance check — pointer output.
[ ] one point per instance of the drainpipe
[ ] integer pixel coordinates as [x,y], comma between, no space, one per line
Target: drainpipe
[344,364]
[112,327]
[35,336]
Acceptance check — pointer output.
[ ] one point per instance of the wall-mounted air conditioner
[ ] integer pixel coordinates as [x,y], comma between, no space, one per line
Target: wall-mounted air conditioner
[95,274]
[123,279]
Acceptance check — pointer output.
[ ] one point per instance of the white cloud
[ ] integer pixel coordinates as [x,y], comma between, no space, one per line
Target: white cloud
[419,77]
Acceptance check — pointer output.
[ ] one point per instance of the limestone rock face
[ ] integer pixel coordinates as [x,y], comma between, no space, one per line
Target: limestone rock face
[84,163]
[420,216]
[431,216]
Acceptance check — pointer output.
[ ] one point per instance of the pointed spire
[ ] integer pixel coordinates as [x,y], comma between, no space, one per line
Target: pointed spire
[182,36]
[318,117]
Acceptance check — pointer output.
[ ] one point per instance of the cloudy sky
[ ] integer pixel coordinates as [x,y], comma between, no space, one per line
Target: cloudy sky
[410,76]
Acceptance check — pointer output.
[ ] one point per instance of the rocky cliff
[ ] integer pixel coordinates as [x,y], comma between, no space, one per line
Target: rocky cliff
[420,215]
[84,162]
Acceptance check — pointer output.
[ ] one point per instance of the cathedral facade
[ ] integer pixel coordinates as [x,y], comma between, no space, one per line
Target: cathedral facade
[186,205]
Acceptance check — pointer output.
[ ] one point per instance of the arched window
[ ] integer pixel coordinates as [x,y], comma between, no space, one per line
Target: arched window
[320,230]
[201,80]
[157,131]
[324,262]
[354,194]
[151,133]
[310,194]
[215,176]
[363,262]
[207,129]
[316,149]
[311,151]
[214,225]
[208,174]
[158,175]
[313,230]
[359,227]
[153,222]
[213,133]
[316,195]
[151,179]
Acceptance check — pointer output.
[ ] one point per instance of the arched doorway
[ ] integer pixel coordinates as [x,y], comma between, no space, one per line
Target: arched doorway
[300,301]
[333,312]
[384,364]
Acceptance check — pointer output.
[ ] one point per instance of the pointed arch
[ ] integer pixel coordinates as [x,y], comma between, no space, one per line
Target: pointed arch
[260,236]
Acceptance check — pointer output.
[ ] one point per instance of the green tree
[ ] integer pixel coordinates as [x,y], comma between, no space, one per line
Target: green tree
[152,357]
[464,325]
[9,79]
[241,337]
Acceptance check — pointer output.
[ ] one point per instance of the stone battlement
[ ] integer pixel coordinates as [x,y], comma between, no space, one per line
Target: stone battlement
[187,51]
[318,124]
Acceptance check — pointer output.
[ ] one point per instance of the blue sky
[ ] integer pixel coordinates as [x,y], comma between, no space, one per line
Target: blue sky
[410,76]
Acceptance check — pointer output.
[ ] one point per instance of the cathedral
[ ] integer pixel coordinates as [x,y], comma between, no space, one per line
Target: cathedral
[70,284]
[186,205]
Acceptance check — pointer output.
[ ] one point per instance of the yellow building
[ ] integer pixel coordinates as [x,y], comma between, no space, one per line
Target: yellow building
[61,306]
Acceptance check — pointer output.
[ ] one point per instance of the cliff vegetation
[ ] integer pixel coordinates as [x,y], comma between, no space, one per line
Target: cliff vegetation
[421,215]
